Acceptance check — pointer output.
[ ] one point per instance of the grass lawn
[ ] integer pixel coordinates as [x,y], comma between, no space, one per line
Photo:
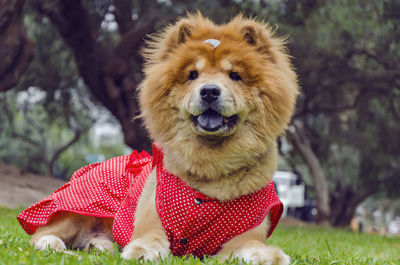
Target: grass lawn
[306,245]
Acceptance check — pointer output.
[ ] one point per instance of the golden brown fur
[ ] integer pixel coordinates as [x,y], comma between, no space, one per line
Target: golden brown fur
[233,160]
[268,92]
[76,232]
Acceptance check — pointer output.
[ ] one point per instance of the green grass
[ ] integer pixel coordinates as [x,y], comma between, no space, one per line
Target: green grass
[306,245]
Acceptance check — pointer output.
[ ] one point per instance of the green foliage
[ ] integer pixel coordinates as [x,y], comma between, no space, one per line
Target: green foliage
[306,245]
[346,53]
[48,107]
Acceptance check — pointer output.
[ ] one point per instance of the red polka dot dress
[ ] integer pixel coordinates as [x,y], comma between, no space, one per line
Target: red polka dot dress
[95,190]
[194,223]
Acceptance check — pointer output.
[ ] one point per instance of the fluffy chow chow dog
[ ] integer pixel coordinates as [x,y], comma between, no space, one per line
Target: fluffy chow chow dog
[214,99]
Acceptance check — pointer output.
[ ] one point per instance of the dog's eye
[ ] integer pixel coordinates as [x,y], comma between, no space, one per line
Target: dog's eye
[193,75]
[235,76]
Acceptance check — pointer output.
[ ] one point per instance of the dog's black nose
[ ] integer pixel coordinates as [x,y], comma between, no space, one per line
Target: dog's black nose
[210,93]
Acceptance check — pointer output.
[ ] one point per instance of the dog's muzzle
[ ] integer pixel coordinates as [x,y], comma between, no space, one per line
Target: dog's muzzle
[211,120]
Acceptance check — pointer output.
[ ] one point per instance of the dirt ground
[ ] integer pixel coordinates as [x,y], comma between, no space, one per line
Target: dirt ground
[23,189]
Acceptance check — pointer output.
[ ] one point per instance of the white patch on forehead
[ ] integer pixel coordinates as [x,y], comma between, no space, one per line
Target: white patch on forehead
[215,43]
[200,64]
[226,65]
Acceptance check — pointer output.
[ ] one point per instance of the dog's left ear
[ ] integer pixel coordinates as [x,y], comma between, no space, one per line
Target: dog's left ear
[249,34]
[258,35]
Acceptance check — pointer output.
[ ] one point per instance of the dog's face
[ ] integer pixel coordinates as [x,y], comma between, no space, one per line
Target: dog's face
[222,90]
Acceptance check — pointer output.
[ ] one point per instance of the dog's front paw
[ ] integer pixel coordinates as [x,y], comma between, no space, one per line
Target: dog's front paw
[265,255]
[144,249]
[49,241]
[100,243]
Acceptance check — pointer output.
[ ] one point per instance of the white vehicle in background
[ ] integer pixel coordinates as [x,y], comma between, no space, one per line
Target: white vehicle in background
[292,193]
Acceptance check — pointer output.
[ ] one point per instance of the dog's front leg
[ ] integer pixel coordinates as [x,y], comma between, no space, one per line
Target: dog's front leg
[149,240]
[251,248]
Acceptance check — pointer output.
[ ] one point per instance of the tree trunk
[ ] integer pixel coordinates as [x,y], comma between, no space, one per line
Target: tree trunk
[108,74]
[320,185]
[16,50]
[343,206]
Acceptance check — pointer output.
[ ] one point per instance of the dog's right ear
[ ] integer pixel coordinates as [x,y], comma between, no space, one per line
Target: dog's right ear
[162,44]
[184,32]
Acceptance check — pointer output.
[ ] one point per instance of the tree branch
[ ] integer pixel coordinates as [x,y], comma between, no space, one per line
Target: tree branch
[395,112]
[123,15]
[378,59]
[375,187]
[330,109]
[59,151]
[16,50]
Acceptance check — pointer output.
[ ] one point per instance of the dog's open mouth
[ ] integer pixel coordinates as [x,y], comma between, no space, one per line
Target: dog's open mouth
[212,121]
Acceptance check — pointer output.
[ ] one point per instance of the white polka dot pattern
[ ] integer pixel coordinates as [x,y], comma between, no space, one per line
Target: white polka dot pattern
[199,225]
[94,190]
[194,223]
[124,218]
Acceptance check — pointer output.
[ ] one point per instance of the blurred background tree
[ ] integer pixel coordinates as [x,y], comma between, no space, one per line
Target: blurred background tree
[344,139]
[346,127]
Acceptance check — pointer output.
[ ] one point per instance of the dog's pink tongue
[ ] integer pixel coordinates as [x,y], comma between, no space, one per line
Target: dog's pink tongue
[210,120]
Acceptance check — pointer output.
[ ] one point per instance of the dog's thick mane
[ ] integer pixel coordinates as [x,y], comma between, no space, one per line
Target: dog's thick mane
[242,181]
[246,161]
